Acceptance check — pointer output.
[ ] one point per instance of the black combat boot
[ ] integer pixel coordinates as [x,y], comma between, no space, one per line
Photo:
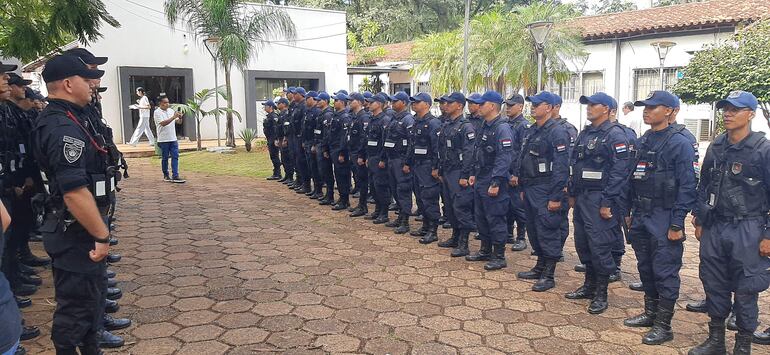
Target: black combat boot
[742,343]
[616,276]
[599,302]
[546,280]
[383,217]
[374,214]
[394,223]
[342,204]
[715,344]
[27,258]
[498,258]
[359,211]
[451,242]
[423,229]
[587,290]
[484,254]
[661,327]
[762,337]
[462,244]
[731,322]
[521,241]
[535,272]
[328,199]
[403,225]
[698,306]
[305,189]
[283,179]
[647,318]
[432,234]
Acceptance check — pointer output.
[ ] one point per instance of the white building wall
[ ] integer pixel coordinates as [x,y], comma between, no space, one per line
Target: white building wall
[145,40]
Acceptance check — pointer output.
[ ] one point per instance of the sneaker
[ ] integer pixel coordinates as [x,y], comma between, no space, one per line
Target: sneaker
[166,178]
[178,180]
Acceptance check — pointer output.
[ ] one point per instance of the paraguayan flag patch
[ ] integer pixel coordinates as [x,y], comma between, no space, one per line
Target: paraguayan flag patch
[561,147]
[620,147]
[471,135]
[73,148]
[505,142]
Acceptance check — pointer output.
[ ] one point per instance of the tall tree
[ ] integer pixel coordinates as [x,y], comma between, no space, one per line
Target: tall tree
[501,51]
[613,6]
[32,28]
[241,29]
[741,63]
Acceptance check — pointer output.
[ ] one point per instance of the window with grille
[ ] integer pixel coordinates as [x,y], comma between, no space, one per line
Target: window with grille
[648,79]
[569,90]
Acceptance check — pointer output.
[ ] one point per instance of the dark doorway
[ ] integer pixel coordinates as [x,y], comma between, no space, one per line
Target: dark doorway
[260,85]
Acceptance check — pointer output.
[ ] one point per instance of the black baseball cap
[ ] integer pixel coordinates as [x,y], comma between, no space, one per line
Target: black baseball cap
[7,67]
[87,57]
[15,79]
[515,99]
[64,66]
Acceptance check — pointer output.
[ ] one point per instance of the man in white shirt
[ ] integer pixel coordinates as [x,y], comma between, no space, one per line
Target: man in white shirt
[143,105]
[169,148]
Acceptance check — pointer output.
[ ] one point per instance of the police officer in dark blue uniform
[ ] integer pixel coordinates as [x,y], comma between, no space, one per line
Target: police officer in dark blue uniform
[372,156]
[300,161]
[457,139]
[396,145]
[573,132]
[517,213]
[731,224]
[492,160]
[662,193]
[269,128]
[422,157]
[323,150]
[338,148]
[285,130]
[74,231]
[622,211]
[473,112]
[443,221]
[308,144]
[599,174]
[357,145]
[543,175]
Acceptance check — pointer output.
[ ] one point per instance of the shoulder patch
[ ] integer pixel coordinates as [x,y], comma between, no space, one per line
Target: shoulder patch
[73,148]
[471,135]
[506,142]
[561,147]
[620,147]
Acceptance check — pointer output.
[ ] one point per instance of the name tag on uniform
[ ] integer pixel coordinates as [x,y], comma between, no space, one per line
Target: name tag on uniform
[390,144]
[449,143]
[404,142]
[317,131]
[13,165]
[461,156]
[640,170]
[420,151]
[372,143]
[112,184]
[22,149]
[541,167]
[592,175]
[712,199]
[100,188]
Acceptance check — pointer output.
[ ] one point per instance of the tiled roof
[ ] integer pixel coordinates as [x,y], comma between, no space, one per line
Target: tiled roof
[670,18]
[394,52]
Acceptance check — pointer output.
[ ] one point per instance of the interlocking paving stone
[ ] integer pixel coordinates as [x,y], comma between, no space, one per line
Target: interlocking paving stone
[232,265]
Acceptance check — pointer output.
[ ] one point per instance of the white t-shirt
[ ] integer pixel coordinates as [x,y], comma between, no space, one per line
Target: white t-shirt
[144,112]
[165,133]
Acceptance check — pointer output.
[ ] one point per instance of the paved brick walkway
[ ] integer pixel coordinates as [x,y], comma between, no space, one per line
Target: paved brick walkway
[244,266]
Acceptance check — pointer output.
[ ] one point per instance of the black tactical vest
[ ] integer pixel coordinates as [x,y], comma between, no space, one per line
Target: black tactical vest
[590,172]
[537,156]
[421,136]
[736,189]
[653,179]
[486,147]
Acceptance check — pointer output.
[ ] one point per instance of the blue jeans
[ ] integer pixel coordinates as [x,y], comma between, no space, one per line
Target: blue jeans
[169,150]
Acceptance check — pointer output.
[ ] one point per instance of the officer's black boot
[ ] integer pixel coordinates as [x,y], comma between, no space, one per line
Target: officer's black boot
[647,317]
[761,337]
[343,204]
[359,211]
[742,343]
[60,350]
[109,340]
[698,306]
[498,258]
[462,244]
[27,258]
[587,290]
[484,254]
[328,199]
[383,217]
[394,223]
[374,214]
[283,179]
[715,344]
[599,302]
[661,328]
[535,272]
[432,234]
[617,275]
[111,323]
[546,280]
[111,306]
[637,286]
[451,242]
[730,325]
[403,225]
[521,242]
[305,188]
[423,229]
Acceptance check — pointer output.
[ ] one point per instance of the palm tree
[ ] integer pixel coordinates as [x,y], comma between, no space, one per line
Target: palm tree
[501,50]
[194,107]
[242,29]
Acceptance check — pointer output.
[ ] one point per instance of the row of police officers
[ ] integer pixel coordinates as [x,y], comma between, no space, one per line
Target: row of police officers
[60,169]
[493,169]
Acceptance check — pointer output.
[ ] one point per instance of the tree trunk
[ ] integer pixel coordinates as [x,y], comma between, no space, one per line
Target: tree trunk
[229,130]
[766,111]
[198,132]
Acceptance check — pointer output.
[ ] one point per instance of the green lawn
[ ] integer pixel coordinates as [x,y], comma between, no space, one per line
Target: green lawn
[250,164]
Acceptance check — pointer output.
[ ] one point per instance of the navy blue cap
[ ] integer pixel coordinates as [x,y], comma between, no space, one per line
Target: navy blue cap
[15,79]
[740,99]
[380,97]
[543,96]
[87,57]
[557,99]
[515,99]
[472,97]
[341,96]
[283,100]
[323,95]
[367,94]
[300,90]
[455,97]
[440,99]
[269,103]
[7,67]
[311,94]
[659,97]
[489,96]
[422,96]
[341,92]
[400,96]
[60,67]
[289,89]
[357,96]
[601,99]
